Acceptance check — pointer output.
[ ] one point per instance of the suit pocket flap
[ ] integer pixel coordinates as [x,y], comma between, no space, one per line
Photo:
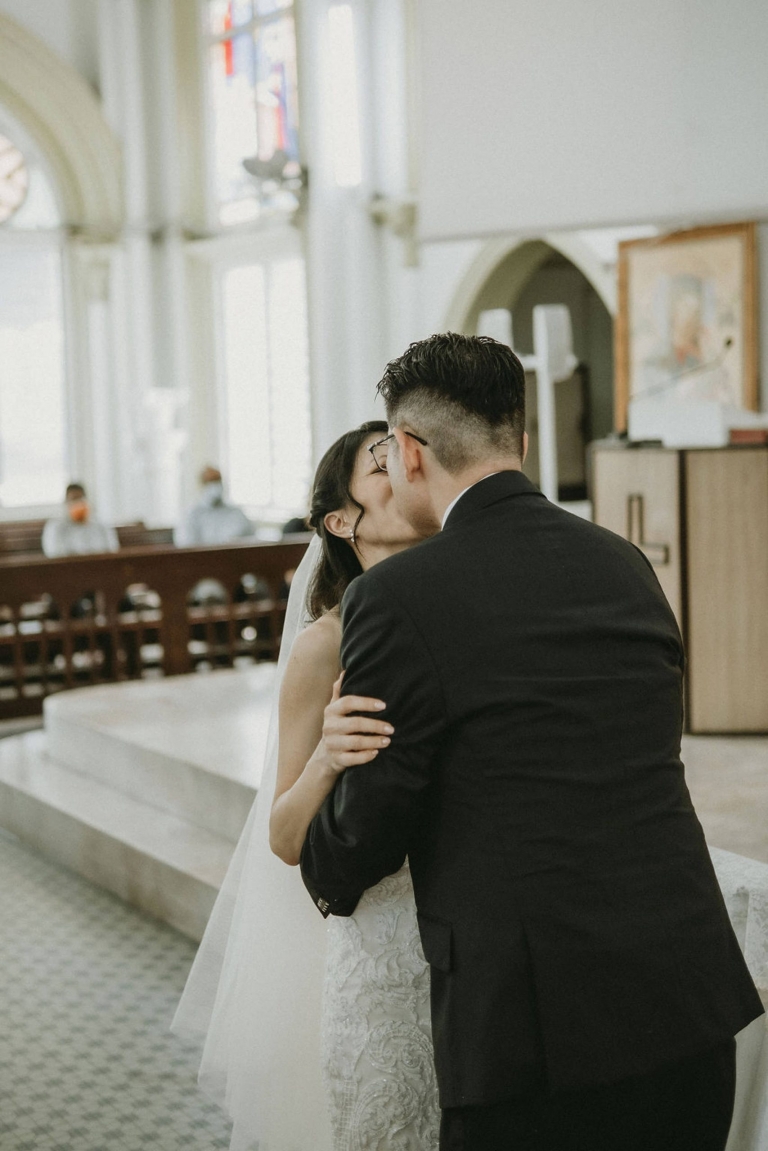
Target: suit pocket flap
[436,939]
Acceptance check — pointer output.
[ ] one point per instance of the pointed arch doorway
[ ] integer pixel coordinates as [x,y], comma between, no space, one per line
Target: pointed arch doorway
[518,276]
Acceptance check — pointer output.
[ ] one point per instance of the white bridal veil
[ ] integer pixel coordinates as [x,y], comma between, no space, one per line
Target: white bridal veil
[255,989]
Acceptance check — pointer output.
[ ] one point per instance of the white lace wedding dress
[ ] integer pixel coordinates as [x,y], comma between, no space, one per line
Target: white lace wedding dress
[316,1034]
[376,1033]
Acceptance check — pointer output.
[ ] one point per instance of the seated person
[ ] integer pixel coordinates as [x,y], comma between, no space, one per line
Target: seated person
[74,533]
[212,520]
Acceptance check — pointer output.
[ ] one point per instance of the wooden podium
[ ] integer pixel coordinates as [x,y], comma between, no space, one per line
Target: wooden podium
[701,517]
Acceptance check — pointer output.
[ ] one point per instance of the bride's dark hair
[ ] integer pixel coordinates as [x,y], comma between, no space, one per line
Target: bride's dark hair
[339,564]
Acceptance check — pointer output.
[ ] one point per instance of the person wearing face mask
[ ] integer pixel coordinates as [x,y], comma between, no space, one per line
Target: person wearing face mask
[75,533]
[212,520]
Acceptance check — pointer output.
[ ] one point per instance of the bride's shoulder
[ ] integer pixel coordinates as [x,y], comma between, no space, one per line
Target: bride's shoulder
[319,643]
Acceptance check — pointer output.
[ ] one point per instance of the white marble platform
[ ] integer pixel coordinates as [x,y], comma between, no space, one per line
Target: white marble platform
[143,787]
[156,861]
[190,745]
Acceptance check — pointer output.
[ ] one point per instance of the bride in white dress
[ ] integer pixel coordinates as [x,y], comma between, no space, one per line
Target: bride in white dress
[317,1034]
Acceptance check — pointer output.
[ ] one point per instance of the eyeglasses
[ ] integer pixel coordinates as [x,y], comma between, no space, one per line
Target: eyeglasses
[380,450]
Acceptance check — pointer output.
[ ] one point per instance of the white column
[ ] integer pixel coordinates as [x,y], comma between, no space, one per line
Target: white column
[165,440]
[106,432]
[395,164]
[138,45]
[106,458]
[164,168]
[347,299]
[123,97]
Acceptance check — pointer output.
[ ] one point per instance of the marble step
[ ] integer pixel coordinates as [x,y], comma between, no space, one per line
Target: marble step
[167,866]
[192,746]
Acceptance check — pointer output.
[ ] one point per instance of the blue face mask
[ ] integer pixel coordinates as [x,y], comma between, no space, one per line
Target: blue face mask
[213,494]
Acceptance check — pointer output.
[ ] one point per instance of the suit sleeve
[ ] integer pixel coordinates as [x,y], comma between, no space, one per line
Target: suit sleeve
[363,830]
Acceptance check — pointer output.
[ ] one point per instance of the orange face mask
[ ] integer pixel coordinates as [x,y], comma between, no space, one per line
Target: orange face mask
[78,511]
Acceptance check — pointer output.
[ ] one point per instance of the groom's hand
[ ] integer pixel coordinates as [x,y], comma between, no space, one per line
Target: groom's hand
[350,738]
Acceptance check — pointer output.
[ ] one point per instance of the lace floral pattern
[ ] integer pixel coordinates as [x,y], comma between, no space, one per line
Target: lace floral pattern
[377,1039]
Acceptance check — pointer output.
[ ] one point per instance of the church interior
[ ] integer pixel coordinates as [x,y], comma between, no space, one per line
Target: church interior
[219,219]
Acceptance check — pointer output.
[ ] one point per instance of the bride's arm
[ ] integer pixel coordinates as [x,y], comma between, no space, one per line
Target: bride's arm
[309,765]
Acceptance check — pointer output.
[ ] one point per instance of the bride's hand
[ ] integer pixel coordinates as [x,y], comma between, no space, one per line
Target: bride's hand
[349,740]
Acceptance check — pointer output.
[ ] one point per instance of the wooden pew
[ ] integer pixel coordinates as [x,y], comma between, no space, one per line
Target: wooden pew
[45,648]
[21,537]
[138,535]
[24,537]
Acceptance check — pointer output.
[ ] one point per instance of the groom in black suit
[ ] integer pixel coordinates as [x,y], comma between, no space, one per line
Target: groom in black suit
[586,983]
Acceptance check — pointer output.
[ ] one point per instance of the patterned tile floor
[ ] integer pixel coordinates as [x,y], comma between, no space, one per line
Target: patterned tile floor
[88,987]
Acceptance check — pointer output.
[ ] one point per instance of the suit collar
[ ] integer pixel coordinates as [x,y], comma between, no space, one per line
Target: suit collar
[488,491]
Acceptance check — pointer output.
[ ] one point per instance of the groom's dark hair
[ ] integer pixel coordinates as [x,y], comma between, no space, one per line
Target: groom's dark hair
[464,394]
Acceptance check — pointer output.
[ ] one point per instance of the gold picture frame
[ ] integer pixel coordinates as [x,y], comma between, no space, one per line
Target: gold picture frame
[687,317]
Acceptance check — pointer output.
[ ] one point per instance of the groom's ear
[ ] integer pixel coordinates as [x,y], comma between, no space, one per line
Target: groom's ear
[525,446]
[411,454]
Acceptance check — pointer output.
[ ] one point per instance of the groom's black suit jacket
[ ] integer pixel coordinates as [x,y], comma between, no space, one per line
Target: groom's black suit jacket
[532,670]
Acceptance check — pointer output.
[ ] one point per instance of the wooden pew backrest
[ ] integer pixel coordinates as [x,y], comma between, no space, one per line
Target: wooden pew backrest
[130,614]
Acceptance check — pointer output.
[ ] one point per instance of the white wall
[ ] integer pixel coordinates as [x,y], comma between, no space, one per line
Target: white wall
[537,116]
[443,266]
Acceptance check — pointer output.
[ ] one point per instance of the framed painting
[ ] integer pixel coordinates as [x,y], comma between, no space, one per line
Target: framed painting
[687,319]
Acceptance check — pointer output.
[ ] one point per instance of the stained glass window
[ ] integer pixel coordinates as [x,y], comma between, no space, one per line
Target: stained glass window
[254,97]
[264,7]
[224,15]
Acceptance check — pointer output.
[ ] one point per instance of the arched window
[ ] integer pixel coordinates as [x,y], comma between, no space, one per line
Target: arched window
[263,436]
[33,429]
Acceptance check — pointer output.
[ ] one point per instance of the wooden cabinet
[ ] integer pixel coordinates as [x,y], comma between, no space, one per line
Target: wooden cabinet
[727,617]
[701,517]
[637,495]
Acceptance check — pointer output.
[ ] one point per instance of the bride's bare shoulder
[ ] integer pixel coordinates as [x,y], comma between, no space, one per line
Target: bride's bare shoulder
[316,649]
